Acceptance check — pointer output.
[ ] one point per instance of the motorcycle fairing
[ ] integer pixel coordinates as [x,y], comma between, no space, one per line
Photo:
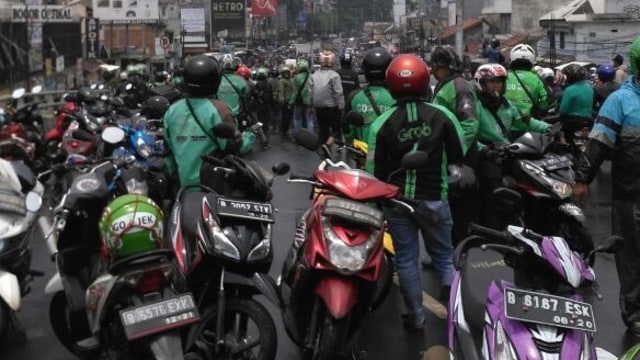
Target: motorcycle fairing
[356,184]
[338,293]
[183,221]
[96,297]
[10,290]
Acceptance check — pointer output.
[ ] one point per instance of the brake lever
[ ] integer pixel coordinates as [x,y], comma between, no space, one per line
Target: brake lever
[502,248]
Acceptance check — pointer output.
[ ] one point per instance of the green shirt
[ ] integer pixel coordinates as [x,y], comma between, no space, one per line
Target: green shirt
[358,101]
[235,98]
[303,87]
[490,132]
[535,93]
[188,142]
[577,100]
[459,97]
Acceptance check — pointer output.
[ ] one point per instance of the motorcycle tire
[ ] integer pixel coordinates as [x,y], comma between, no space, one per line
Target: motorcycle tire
[384,283]
[64,324]
[247,309]
[330,338]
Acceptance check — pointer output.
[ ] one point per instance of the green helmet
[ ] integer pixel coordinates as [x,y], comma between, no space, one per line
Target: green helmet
[137,69]
[634,56]
[131,224]
[262,73]
[302,65]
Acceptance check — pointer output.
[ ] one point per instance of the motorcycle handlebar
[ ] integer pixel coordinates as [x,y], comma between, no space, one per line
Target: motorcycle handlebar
[295,176]
[488,232]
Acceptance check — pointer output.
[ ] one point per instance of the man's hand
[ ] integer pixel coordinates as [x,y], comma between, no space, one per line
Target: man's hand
[580,191]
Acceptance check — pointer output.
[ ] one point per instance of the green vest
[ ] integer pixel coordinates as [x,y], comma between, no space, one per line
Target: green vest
[360,103]
[233,97]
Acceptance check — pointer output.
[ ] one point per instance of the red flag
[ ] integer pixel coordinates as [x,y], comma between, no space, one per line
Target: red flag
[263,8]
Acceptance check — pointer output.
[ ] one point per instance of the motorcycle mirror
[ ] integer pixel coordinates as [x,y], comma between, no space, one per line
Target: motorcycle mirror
[101,87]
[611,245]
[113,135]
[93,86]
[307,139]
[33,201]
[414,160]
[142,123]
[354,118]
[128,87]
[18,93]
[224,130]
[281,168]
[36,89]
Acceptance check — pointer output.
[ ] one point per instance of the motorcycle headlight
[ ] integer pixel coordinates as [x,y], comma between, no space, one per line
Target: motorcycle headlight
[561,188]
[503,350]
[263,249]
[143,149]
[221,243]
[348,259]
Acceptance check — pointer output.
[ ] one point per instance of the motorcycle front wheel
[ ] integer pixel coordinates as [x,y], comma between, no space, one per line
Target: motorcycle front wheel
[330,338]
[69,327]
[249,331]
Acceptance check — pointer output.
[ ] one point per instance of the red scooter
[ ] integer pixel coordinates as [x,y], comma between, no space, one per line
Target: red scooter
[64,116]
[331,273]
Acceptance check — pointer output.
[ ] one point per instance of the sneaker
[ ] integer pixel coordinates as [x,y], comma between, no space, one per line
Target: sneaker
[634,328]
[410,327]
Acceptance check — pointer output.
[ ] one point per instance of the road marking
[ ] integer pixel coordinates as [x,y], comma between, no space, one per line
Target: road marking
[429,302]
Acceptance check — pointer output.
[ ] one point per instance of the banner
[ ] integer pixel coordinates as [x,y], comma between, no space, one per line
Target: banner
[263,8]
[92,39]
[126,11]
[192,19]
[41,13]
[230,16]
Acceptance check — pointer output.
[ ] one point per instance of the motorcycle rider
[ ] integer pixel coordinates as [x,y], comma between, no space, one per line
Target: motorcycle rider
[234,89]
[413,124]
[328,98]
[604,85]
[302,111]
[348,76]
[525,90]
[263,99]
[614,137]
[498,118]
[458,96]
[276,108]
[188,123]
[576,106]
[372,100]
[286,89]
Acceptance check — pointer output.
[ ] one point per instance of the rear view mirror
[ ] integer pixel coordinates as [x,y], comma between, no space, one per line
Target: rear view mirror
[33,201]
[414,160]
[128,87]
[281,168]
[224,130]
[354,118]
[36,89]
[18,93]
[611,245]
[113,135]
[307,139]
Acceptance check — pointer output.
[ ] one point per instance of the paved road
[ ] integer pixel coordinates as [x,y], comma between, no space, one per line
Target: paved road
[382,336]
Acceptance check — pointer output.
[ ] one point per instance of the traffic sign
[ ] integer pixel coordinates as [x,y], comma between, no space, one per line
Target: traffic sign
[165,42]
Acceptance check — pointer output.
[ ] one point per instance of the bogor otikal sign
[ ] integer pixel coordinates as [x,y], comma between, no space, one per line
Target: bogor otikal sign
[41,13]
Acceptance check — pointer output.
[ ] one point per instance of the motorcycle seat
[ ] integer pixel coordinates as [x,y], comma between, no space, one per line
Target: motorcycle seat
[480,268]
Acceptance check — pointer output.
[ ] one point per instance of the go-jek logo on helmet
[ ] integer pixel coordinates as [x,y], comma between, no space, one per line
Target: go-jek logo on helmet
[131,223]
[414,133]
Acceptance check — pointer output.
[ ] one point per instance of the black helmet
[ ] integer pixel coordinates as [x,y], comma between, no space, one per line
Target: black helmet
[161,76]
[274,72]
[446,57]
[345,60]
[155,107]
[201,76]
[574,73]
[375,64]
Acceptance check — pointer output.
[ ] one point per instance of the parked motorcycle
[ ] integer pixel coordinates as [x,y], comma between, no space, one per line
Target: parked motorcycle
[20,201]
[132,305]
[222,240]
[517,294]
[332,271]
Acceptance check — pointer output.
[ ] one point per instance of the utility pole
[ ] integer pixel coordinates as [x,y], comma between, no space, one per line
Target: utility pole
[459,20]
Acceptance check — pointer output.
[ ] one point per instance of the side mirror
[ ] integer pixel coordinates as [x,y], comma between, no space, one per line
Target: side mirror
[36,89]
[611,245]
[354,118]
[18,93]
[113,135]
[101,87]
[224,130]
[281,168]
[93,86]
[414,160]
[33,201]
[307,139]
[128,87]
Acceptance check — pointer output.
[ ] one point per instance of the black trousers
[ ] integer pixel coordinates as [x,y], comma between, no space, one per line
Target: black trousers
[625,221]
[329,122]
[287,116]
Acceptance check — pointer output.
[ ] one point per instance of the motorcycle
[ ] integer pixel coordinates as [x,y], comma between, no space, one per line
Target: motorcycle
[134,306]
[544,179]
[63,118]
[20,200]
[332,271]
[517,294]
[222,240]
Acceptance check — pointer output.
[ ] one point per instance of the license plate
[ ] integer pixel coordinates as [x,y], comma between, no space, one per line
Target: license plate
[555,163]
[548,309]
[153,318]
[245,209]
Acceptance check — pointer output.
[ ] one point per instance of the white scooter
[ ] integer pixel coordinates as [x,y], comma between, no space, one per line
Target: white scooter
[20,200]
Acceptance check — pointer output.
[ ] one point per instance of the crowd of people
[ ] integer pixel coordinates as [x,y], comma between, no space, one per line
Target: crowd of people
[460,122]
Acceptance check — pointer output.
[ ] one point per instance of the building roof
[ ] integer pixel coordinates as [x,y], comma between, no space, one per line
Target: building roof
[466,25]
[575,7]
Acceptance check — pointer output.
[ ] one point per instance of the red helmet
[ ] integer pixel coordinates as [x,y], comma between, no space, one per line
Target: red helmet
[408,75]
[244,71]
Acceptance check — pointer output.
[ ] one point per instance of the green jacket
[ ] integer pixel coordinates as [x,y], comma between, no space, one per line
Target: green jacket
[359,102]
[286,89]
[236,98]
[188,142]
[537,93]
[577,100]
[490,132]
[305,92]
[459,96]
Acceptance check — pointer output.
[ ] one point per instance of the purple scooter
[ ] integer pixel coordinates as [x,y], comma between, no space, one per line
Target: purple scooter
[519,295]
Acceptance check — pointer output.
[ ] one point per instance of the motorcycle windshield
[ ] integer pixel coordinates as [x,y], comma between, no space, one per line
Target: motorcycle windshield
[12,202]
[356,184]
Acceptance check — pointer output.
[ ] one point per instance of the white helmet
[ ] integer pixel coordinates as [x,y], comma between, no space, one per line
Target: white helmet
[523,51]
[545,73]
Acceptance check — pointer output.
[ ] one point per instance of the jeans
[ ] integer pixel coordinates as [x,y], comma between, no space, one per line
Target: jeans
[302,113]
[433,220]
